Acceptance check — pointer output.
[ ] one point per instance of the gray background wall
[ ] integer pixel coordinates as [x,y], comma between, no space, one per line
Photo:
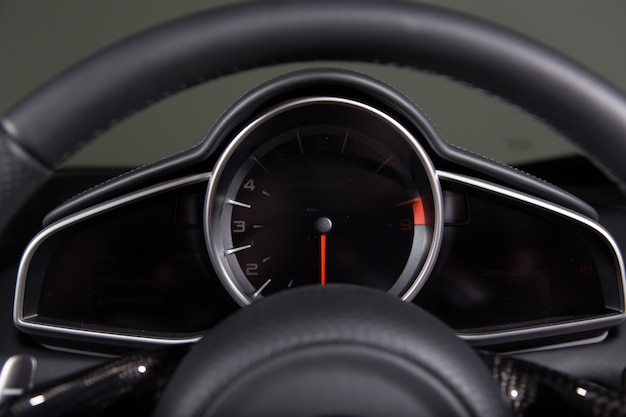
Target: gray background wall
[40,38]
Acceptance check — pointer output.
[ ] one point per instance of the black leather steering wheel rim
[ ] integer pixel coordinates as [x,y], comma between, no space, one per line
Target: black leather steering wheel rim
[331,351]
[43,130]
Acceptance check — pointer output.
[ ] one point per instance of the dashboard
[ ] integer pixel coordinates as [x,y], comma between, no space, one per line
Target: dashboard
[322,177]
[328,250]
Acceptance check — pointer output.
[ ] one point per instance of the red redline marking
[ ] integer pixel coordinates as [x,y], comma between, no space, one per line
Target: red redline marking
[419,218]
[418,212]
[323,259]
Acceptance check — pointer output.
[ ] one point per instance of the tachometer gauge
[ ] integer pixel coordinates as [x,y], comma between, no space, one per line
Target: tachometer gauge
[320,191]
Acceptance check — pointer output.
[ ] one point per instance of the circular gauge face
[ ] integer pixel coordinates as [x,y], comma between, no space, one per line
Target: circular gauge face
[321,191]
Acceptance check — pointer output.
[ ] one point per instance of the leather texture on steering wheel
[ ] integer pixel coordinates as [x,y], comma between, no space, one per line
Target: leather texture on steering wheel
[301,322]
[43,130]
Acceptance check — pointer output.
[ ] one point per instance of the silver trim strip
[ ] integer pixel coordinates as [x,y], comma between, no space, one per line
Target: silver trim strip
[22,322]
[547,330]
[580,342]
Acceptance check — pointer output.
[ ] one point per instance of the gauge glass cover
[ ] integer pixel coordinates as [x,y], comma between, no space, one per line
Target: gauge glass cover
[320,191]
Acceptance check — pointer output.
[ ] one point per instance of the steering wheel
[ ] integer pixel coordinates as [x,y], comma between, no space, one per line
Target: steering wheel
[363,356]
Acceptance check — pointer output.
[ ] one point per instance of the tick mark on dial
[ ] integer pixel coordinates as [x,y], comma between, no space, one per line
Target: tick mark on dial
[260,290]
[235,250]
[238,203]
[256,161]
[345,141]
[300,142]
[265,193]
[383,164]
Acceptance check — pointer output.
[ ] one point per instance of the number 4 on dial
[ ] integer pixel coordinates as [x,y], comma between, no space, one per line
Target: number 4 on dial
[249,185]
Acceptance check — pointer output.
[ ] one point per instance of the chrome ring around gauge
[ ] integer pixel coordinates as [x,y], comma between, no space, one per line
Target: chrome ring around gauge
[319,191]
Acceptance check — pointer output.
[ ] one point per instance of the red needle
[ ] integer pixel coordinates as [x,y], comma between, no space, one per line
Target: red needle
[323,258]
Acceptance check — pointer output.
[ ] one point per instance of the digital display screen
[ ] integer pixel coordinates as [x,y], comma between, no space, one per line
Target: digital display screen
[507,267]
[143,268]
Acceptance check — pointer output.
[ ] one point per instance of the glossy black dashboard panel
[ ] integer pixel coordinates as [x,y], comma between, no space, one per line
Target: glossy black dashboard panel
[144,271]
[502,265]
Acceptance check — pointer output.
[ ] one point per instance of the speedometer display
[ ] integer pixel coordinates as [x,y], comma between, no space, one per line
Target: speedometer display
[317,227]
[323,191]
